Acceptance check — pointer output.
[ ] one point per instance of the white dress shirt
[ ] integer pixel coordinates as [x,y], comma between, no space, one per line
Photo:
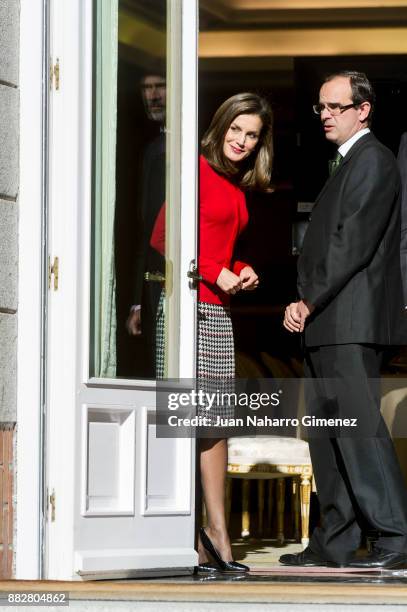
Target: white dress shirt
[344,148]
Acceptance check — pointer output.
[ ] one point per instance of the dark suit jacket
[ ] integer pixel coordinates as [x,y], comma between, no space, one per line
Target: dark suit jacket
[402,161]
[153,196]
[349,267]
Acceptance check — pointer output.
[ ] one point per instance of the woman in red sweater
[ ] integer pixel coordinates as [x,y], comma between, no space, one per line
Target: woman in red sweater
[236,156]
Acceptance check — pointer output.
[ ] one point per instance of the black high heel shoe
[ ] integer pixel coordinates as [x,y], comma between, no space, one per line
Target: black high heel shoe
[224,566]
[206,569]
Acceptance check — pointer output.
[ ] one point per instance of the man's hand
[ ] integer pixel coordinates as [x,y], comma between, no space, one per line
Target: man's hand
[133,323]
[249,279]
[229,282]
[296,314]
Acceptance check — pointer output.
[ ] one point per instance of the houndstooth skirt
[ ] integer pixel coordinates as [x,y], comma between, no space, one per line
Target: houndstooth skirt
[216,355]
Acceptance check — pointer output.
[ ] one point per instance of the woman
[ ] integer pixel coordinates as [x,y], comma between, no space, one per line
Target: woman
[236,156]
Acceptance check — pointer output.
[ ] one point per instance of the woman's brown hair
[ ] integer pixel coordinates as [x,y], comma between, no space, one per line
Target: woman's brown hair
[255,171]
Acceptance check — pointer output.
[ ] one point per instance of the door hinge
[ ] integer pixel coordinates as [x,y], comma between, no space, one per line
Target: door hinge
[53,271]
[54,75]
[52,499]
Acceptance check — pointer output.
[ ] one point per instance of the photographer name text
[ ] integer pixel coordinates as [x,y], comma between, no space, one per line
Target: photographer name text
[255,421]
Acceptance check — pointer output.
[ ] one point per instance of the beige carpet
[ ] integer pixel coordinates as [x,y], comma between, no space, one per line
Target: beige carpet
[245,592]
[262,555]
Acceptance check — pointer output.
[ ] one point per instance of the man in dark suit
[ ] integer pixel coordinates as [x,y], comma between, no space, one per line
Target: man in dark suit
[402,162]
[146,294]
[351,307]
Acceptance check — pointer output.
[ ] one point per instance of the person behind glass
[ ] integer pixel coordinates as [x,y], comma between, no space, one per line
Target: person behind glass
[143,312]
[236,156]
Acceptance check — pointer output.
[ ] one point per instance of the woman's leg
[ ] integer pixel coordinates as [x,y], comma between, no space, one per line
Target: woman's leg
[216,367]
[213,461]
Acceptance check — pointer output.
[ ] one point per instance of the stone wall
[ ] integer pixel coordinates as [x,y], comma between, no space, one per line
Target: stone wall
[9,120]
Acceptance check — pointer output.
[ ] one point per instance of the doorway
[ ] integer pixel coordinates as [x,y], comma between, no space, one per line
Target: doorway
[284,55]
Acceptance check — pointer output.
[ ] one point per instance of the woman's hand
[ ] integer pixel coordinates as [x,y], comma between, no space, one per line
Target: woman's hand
[229,282]
[249,279]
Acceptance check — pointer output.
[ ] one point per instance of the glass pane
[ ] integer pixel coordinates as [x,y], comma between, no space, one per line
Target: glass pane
[130,186]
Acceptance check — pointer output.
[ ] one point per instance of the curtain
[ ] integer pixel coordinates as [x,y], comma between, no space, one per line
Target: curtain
[105,118]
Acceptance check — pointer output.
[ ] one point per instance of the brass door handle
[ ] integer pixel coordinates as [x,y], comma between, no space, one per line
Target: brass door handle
[154,277]
[193,274]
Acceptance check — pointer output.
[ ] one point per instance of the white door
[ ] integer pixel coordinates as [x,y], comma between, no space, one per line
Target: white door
[120,500]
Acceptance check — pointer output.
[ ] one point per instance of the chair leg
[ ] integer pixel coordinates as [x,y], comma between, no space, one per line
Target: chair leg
[228,499]
[260,489]
[245,508]
[296,508]
[305,493]
[269,505]
[280,510]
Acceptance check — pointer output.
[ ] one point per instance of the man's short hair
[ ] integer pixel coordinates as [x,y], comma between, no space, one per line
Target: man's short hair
[362,89]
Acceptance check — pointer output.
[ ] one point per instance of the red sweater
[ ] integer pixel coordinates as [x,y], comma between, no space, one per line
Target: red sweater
[222,217]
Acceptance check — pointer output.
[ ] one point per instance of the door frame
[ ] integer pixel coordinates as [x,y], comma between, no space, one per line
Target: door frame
[33,70]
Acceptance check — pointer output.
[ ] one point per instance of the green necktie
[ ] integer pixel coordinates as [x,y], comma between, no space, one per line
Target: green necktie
[334,163]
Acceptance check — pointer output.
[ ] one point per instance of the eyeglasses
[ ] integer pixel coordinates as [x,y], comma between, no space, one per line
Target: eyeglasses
[334,108]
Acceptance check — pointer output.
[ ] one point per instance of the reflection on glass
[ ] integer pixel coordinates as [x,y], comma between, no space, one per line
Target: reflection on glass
[128,321]
[146,317]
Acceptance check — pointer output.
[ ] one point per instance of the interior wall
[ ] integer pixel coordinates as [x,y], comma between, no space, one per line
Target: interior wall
[300,170]
[389,79]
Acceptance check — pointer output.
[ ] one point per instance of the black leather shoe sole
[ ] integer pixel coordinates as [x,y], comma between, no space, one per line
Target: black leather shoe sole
[300,560]
[206,569]
[320,563]
[389,565]
[307,558]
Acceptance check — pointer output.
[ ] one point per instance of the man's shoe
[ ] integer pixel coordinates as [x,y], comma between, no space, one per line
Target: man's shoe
[306,558]
[380,558]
